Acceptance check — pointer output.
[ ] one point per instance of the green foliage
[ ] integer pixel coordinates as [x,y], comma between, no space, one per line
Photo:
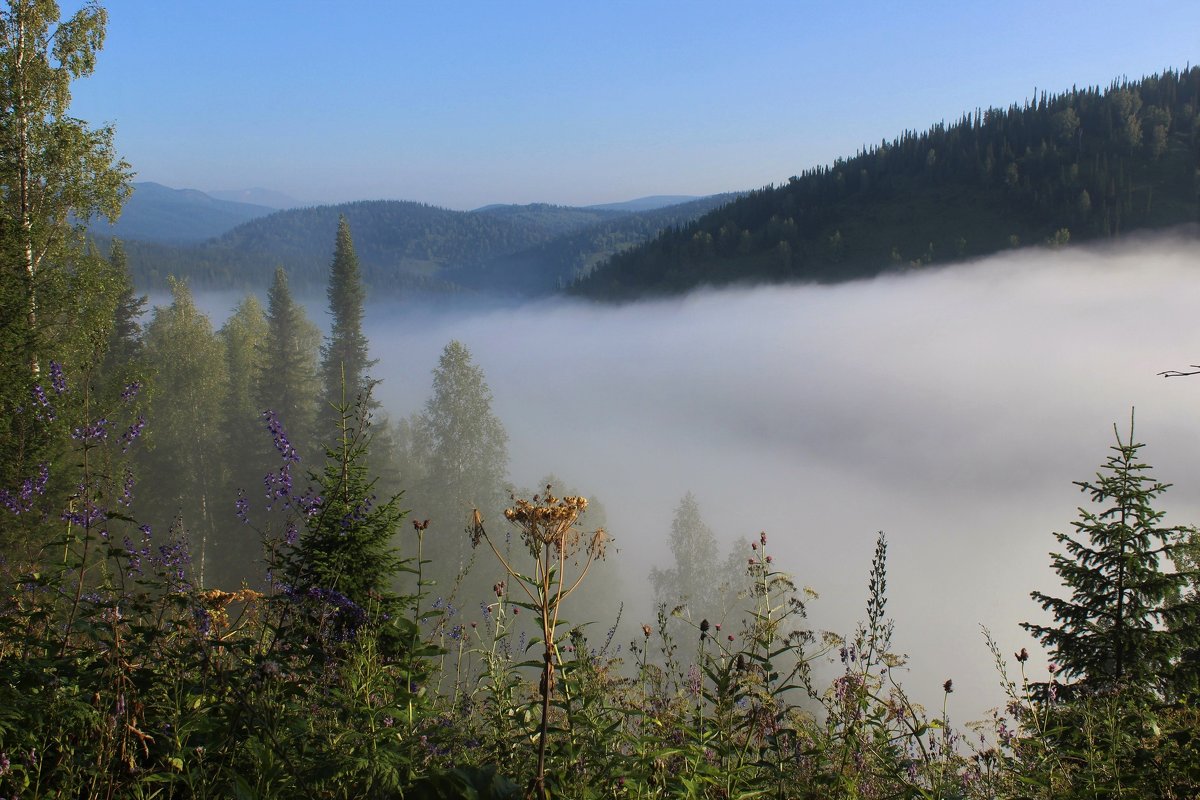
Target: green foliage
[55,174]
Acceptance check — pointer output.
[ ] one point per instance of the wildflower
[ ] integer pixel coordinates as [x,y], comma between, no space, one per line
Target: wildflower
[420,525]
[1022,656]
[58,381]
[131,391]
[703,629]
[132,432]
[948,686]
[242,507]
[647,630]
[47,412]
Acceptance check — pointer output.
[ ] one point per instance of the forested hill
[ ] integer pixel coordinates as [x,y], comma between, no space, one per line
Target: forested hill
[527,249]
[1081,165]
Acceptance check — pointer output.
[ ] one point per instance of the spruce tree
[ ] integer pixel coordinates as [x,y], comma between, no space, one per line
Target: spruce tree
[344,358]
[465,454]
[286,381]
[345,558]
[1109,633]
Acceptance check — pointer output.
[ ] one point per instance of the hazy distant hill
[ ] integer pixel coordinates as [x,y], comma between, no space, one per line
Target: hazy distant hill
[648,203]
[159,213]
[403,245]
[1081,165]
[559,262]
[256,196]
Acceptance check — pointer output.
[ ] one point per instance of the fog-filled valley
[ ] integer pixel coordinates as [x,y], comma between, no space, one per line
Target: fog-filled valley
[951,409]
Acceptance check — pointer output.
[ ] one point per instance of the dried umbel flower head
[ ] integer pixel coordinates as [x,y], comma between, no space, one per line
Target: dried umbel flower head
[551,521]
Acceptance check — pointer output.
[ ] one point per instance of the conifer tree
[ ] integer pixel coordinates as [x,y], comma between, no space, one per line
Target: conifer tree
[345,556]
[344,357]
[466,452]
[125,342]
[287,374]
[1109,632]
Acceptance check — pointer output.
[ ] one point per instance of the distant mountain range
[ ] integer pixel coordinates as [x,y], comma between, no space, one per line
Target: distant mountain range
[258,197]
[159,213]
[512,249]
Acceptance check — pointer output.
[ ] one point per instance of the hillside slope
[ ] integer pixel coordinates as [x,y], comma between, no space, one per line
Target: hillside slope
[1081,165]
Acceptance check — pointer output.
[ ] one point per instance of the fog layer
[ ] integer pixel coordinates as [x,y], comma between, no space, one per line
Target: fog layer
[951,409]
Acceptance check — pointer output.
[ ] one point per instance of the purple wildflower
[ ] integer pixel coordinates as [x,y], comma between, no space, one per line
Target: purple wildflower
[280,438]
[242,507]
[45,412]
[21,501]
[132,432]
[58,381]
[127,489]
[97,431]
[131,391]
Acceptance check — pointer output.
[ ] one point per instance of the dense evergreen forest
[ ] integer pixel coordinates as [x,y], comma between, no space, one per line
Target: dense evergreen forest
[1083,165]
[210,586]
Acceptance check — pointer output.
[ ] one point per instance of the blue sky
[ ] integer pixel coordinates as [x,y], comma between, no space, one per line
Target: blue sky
[464,104]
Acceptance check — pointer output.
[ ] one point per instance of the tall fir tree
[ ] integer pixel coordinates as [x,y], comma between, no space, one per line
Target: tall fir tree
[344,358]
[464,455]
[287,375]
[345,557]
[1109,633]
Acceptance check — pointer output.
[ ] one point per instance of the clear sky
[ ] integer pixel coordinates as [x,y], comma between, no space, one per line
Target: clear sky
[461,104]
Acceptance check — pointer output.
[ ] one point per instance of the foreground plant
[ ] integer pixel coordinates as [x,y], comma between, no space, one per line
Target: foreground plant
[549,528]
